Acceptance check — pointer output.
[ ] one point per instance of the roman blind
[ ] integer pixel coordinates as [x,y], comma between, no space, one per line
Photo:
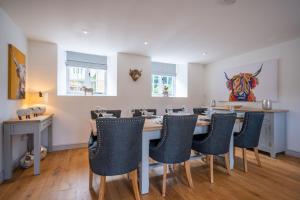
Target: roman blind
[166,69]
[76,59]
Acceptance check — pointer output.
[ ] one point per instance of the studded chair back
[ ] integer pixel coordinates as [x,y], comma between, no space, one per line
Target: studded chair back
[199,111]
[119,146]
[116,113]
[176,142]
[248,137]
[138,112]
[218,139]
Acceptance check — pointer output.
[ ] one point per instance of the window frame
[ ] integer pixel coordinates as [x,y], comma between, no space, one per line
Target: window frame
[69,93]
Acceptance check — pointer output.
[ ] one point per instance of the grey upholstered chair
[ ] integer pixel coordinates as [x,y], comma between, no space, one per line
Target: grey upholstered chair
[217,141]
[175,110]
[175,144]
[118,151]
[116,113]
[199,111]
[248,137]
[138,112]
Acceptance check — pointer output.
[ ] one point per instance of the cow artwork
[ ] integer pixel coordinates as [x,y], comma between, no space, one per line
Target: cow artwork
[17,74]
[241,86]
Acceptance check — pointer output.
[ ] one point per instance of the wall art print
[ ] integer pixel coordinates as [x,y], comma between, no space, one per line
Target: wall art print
[242,85]
[16,73]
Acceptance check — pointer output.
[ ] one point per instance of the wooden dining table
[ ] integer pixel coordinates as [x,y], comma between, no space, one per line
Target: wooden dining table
[152,131]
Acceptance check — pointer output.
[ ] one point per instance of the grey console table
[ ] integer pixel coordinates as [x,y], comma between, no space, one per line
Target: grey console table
[33,126]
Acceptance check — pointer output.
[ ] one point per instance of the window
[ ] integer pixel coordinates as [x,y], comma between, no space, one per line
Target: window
[86,74]
[80,77]
[163,79]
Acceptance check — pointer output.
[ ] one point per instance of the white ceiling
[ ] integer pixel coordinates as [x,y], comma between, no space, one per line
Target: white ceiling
[178,31]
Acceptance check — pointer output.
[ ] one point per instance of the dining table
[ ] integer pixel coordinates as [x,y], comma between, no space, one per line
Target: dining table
[151,131]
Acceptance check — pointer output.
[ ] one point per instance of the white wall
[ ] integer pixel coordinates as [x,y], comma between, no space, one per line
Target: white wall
[288,54]
[72,113]
[9,34]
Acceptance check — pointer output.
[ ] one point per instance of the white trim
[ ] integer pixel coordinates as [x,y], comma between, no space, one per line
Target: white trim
[69,146]
[292,153]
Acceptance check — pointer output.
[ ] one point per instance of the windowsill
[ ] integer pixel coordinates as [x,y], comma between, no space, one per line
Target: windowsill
[82,95]
[167,97]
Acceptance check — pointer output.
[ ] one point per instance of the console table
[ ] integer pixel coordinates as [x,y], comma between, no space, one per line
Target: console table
[33,126]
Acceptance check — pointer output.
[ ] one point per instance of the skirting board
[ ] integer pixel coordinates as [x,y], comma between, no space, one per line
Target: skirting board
[292,153]
[69,146]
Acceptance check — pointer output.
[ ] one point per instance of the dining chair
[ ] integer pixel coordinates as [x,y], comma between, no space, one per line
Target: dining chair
[118,150]
[138,112]
[116,113]
[199,111]
[216,141]
[249,135]
[175,144]
[175,110]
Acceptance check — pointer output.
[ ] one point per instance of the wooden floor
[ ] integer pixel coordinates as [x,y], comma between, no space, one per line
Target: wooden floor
[65,176]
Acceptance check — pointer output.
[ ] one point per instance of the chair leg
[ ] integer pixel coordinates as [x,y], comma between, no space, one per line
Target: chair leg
[234,152]
[102,187]
[187,167]
[257,156]
[90,179]
[245,159]
[211,166]
[227,163]
[133,177]
[164,185]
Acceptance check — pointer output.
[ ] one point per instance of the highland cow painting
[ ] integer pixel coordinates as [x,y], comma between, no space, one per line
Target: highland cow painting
[247,83]
[16,73]
[241,86]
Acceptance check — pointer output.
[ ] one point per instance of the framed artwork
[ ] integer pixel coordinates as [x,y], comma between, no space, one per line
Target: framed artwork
[16,73]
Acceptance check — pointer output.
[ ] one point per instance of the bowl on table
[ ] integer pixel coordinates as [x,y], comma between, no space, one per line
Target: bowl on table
[107,115]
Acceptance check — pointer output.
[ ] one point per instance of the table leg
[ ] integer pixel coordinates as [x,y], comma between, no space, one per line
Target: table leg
[37,150]
[144,165]
[50,140]
[7,152]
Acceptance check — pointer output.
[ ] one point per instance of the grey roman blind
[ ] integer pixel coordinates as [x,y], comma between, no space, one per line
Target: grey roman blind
[76,59]
[163,69]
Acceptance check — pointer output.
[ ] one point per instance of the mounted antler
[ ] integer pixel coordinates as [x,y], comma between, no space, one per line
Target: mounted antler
[226,76]
[258,71]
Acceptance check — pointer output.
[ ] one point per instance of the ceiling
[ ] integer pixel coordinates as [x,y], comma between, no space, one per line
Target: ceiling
[177,31]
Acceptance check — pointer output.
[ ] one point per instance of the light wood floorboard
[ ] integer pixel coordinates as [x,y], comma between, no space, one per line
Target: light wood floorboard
[65,175]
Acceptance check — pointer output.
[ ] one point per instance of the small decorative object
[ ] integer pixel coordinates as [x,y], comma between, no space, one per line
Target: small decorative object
[16,73]
[213,103]
[44,152]
[87,90]
[24,112]
[38,110]
[267,104]
[135,74]
[166,91]
[241,85]
[26,161]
